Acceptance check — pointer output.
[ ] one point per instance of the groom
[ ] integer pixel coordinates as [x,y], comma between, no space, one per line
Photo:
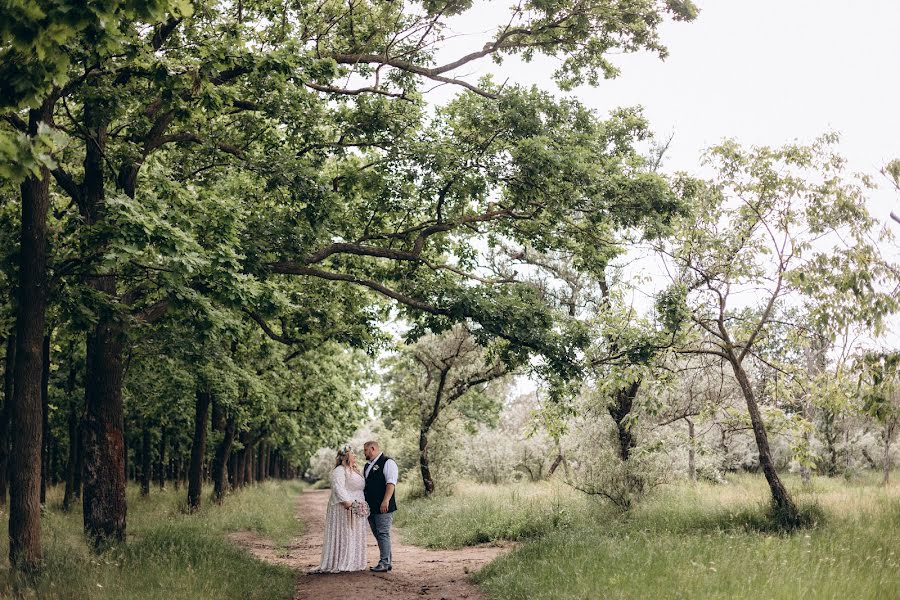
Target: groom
[381,481]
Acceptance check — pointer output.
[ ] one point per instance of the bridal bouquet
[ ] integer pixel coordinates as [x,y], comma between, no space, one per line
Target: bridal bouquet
[359,509]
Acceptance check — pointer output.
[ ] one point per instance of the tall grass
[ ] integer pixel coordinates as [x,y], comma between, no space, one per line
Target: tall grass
[702,541]
[169,554]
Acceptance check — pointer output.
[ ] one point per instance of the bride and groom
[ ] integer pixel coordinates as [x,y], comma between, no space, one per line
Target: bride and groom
[357,499]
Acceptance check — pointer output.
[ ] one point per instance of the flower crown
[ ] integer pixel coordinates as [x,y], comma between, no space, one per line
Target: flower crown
[345,449]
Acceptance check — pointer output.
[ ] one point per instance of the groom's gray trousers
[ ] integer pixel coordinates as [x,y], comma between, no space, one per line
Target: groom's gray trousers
[381,529]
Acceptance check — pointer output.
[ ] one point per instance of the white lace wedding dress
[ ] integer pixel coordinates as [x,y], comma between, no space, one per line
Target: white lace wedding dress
[344,547]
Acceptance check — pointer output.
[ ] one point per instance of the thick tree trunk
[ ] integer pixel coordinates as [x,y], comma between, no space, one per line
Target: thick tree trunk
[145,461]
[221,460]
[45,418]
[424,466]
[619,410]
[198,448]
[103,435]
[692,445]
[103,429]
[25,416]
[9,367]
[780,496]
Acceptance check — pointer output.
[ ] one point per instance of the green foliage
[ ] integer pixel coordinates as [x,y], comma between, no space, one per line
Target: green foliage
[878,381]
[443,377]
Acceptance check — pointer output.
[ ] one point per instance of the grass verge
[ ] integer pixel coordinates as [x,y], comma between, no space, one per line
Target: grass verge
[169,554]
[703,541]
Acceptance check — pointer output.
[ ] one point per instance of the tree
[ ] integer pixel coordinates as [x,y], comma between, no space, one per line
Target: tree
[435,374]
[775,224]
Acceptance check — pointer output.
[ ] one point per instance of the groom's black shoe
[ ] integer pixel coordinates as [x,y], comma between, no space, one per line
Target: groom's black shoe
[380,568]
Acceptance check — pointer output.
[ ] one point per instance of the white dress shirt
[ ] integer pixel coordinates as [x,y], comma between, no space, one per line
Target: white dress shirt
[391,472]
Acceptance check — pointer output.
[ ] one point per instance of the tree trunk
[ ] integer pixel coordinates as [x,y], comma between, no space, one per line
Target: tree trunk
[427,480]
[145,460]
[560,460]
[251,464]
[692,445]
[780,496]
[248,464]
[198,449]
[45,418]
[25,416]
[72,463]
[221,460]
[161,460]
[619,411]
[9,367]
[103,434]
[70,494]
[54,461]
[79,460]
[238,469]
[888,434]
[830,435]
[103,429]
[261,462]
[176,473]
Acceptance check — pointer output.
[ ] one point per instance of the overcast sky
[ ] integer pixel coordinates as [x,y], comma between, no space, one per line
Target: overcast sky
[761,71]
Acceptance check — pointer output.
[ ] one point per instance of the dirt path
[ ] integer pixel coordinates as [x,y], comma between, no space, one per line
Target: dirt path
[418,573]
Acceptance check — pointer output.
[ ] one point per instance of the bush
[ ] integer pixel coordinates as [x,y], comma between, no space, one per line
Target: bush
[623,483]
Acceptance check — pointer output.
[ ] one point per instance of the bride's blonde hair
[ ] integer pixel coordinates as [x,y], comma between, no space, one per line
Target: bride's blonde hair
[343,456]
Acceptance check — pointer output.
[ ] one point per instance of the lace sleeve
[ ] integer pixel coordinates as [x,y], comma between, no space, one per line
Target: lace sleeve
[339,485]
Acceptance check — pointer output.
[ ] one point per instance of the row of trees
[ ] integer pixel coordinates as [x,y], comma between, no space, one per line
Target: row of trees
[184,178]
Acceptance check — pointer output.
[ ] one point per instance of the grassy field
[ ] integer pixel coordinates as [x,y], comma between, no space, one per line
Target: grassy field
[169,555]
[703,541]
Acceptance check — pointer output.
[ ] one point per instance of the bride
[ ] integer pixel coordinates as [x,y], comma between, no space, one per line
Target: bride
[344,547]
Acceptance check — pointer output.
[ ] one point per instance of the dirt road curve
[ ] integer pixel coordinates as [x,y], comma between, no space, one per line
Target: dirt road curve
[417,573]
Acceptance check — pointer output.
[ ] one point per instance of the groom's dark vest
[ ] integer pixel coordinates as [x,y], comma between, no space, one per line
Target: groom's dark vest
[376,486]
